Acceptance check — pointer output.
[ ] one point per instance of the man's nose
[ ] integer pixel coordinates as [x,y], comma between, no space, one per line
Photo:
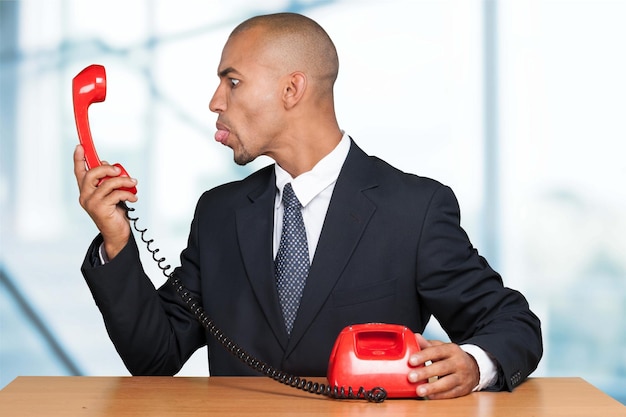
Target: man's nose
[217,103]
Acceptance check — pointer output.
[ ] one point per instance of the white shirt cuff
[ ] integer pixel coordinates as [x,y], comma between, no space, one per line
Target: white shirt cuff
[104,259]
[487,367]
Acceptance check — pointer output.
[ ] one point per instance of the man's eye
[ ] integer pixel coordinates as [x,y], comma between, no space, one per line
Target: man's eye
[234,82]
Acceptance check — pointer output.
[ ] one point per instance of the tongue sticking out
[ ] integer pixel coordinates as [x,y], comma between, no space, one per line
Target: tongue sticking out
[221,136]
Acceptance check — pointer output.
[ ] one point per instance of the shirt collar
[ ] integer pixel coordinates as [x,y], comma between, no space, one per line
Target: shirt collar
[311,183]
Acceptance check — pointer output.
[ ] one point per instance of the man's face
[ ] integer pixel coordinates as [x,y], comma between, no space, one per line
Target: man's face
[248,98]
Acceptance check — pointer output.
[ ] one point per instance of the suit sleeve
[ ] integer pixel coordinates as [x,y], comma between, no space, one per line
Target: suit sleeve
[468,297]
[152,330]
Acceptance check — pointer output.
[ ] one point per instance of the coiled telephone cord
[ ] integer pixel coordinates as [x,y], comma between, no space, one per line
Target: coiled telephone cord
[377,394]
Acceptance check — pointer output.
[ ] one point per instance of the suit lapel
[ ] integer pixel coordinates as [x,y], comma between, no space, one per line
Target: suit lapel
[255,224]
[346,219]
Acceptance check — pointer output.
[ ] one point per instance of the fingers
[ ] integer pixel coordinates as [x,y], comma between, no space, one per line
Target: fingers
[102,204]
[421,341]
[90,180]
[421,358]
[450,386]
[101,199]
[452,372]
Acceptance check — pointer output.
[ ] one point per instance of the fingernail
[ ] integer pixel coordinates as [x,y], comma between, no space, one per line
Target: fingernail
[421,391]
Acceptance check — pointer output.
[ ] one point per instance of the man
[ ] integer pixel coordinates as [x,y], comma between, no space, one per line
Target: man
[382,245]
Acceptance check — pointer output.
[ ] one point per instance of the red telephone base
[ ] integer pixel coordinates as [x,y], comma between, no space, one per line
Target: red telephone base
[374,355]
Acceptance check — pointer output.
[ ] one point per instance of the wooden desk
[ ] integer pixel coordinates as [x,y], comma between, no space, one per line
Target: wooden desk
[222,396]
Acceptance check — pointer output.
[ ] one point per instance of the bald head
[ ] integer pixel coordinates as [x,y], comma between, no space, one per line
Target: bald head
[275,95]
[298,42]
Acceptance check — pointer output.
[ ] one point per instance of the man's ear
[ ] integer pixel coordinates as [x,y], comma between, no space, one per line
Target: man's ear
[295,88]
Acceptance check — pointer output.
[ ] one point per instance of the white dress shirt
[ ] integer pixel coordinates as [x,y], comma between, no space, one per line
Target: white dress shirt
[314,190]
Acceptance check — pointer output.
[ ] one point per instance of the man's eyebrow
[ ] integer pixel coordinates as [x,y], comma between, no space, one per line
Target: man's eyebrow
[226,71]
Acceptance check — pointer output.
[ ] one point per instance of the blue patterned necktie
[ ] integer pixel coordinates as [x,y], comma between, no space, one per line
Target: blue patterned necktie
[292,259]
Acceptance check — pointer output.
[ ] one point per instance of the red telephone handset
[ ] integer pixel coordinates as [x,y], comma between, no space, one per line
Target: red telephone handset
[89,86]
[374,355]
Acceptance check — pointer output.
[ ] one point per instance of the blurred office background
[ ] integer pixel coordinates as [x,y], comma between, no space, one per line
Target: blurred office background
[519,106]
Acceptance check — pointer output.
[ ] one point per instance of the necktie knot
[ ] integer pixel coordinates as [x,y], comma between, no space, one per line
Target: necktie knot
[290,200]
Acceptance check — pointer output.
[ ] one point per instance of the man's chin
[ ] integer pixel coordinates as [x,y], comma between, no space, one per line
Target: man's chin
[242,160]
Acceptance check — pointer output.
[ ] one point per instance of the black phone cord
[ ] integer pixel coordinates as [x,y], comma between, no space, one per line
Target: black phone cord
[376,394]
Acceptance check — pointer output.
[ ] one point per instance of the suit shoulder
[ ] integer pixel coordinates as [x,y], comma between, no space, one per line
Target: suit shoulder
[396,177]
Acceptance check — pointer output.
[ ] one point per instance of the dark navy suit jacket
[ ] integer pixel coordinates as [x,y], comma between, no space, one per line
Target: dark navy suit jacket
[391,250]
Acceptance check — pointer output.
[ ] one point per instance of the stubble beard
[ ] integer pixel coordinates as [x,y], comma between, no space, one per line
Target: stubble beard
[242,156]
